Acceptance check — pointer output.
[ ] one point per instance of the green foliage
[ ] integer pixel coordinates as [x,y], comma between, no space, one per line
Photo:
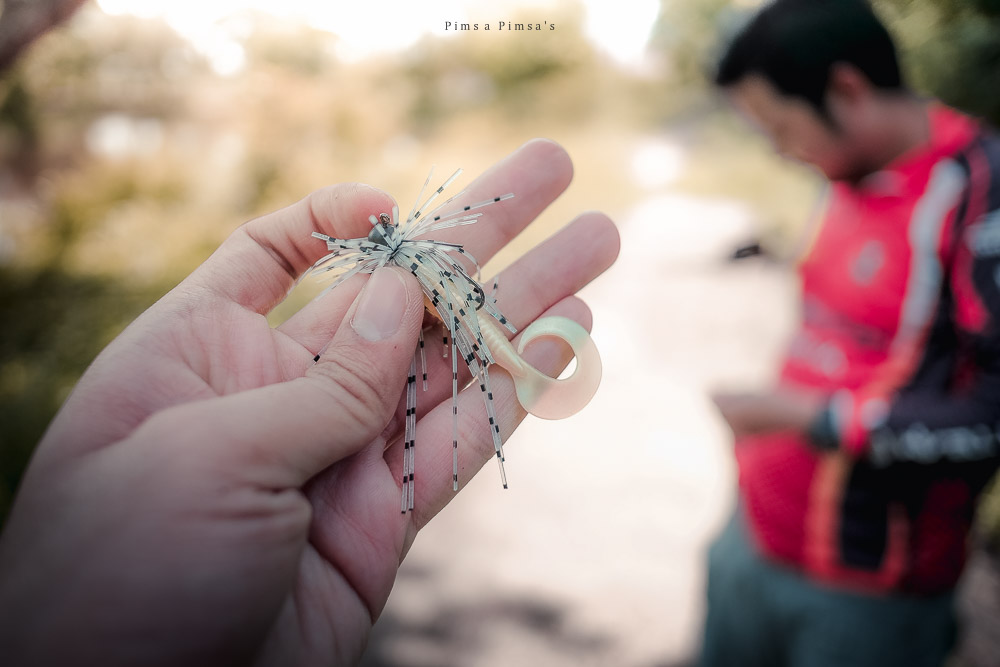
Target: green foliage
[19,130]
[54,325]
[17,115]
[951,49]
[294,50]
[690,35]
[518,74]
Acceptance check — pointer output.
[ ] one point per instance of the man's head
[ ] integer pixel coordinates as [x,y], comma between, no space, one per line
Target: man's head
[815,76]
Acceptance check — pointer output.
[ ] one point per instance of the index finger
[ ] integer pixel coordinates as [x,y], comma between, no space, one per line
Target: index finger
[261,261]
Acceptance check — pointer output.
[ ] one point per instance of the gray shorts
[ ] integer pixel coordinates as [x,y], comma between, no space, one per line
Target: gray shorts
[762,614]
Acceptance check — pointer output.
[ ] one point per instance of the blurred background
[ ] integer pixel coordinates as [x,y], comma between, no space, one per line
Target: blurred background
[136,135]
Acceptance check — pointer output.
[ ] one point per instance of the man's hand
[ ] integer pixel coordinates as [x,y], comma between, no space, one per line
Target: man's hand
[782,410]
[210,495]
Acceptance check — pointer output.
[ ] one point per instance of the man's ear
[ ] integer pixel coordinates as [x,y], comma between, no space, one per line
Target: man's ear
[847,83]
[848,92]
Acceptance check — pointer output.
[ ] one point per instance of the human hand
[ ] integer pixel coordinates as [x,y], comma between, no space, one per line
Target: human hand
[209,495]
[781,410]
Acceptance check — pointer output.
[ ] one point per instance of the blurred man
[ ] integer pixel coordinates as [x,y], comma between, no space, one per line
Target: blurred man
[860,471]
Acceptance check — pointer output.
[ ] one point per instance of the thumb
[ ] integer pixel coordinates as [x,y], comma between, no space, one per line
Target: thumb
[285,433]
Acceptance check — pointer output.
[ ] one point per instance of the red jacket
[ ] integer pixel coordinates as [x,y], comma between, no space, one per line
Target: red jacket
[901,327]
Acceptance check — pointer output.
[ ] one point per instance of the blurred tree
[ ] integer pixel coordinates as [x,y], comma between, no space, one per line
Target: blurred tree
[19,132]
[689,35]
[514,73]
[951,49]
[24,21]
[54,325]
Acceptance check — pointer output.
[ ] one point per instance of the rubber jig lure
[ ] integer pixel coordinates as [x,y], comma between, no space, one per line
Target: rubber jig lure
[457,299]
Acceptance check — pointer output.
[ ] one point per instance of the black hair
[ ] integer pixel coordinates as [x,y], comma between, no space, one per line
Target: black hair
[795,43]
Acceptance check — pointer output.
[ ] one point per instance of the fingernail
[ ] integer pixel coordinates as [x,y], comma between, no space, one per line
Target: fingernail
[381,306]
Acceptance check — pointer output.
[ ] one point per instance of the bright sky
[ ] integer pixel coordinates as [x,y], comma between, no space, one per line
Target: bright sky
[371,27]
